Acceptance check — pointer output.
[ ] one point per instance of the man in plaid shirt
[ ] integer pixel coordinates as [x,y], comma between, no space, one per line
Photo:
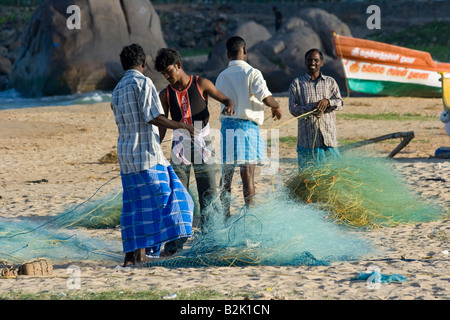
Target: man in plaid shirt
[157,209]
[317,137]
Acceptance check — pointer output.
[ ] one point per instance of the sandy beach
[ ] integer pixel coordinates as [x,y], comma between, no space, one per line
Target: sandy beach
[50,159]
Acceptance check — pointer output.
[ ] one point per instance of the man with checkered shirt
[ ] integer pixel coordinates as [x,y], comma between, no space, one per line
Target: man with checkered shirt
[157,208]
[317,136]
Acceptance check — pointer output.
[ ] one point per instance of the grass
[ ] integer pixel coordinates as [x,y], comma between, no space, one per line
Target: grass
[291,141]
[195,52]
[152,294]
[388,116]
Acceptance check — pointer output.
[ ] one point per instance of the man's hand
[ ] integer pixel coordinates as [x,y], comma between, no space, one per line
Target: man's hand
[275,107]
[189,128]
[321,107]
[229,109]
[276,113]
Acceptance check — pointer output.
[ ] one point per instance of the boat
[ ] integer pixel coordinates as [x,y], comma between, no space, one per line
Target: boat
[383,69]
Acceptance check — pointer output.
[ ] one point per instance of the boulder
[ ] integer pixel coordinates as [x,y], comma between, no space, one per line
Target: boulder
[5,66]
[324,24]
[252,32]
[55,59]
[281,58]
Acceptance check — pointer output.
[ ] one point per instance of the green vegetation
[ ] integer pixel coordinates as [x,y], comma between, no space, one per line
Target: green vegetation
[195,52]
[431,37]
[152,294]
[388,116]
[291,141]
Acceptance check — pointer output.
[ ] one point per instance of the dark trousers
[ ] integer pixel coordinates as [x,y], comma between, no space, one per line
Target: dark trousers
[205,176]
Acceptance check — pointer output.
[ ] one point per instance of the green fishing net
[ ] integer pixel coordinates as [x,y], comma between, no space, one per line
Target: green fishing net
[361,191]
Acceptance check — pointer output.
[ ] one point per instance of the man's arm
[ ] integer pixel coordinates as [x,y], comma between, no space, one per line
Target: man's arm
[274,105]
[165,105]
[210,89]
[295,107]
[258,87]
[335,101]
[162,121]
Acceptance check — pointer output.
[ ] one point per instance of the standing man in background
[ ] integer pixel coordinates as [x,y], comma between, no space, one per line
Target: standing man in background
[278,18]
[247,88]
[317,136]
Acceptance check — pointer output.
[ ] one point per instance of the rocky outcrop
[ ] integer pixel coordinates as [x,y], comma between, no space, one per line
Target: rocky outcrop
[55,59]
[252,32]
[280,57]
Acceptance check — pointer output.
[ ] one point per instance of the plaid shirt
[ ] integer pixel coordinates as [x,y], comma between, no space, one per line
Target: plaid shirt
[135,102]
[304,94]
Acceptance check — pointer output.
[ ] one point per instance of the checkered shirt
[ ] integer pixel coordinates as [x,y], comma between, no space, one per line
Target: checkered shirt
[135,102]
[304,94]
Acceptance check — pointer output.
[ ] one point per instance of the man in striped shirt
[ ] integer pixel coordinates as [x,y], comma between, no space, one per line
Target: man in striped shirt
[317,136]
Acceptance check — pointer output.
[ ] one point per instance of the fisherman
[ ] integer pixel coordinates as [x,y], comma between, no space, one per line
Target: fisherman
[317,136]
[246,86]
[157,208]
[186,100]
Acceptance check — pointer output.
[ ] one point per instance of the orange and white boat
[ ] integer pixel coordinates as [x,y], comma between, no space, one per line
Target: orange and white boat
[379,68]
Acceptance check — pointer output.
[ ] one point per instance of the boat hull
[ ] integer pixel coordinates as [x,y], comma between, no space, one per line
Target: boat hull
[382,69]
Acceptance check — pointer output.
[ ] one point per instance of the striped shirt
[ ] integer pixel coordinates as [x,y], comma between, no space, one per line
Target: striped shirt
[304,94]
[135,102]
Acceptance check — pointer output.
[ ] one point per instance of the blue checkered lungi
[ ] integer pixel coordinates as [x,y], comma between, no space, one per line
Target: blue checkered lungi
[157,208]
[307,157]
[241,142]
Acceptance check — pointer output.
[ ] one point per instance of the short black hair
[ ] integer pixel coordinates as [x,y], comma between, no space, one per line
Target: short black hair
[234,45]
[313,50]
[132,56]
[166,57]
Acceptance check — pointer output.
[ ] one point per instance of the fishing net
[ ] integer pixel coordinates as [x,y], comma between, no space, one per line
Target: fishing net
[312,216]
[361,191]
[27,240]
[64,236]
[276,232]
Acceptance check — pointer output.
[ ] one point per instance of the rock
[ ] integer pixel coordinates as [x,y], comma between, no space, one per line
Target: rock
[324,23]
[5,66]
[57,60]
[281,58]
[252,32]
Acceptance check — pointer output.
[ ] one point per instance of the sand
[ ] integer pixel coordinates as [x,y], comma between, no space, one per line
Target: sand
[50,160]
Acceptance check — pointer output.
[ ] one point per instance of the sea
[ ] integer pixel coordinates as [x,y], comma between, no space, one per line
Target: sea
[11,99]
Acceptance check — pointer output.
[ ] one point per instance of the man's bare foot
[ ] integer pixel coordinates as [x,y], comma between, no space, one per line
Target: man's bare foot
[168,253]
[129,259]
[138,256]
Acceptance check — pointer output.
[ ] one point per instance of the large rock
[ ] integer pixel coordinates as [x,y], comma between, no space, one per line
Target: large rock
[252,32]
[324,24]
[57,60]
[281,58]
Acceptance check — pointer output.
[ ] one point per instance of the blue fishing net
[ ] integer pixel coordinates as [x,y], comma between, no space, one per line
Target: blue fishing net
[276,232]
[27,240]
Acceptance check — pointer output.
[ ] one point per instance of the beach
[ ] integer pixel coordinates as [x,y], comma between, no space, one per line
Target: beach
[53,158]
